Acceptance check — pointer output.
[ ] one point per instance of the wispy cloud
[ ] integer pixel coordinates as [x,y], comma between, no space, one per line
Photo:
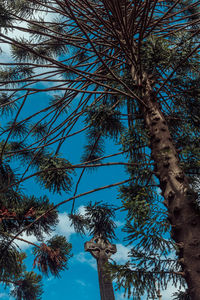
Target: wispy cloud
[81,282]
[86,258]
[7,57]
[120,296]
[23,245]
[63,228]
[82,210]
[121,256]
[167,294]
[119,223]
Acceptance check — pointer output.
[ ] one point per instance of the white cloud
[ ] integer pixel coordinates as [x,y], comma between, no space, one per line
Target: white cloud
[81,282]
[120,296]
[122,254]
[82,210]
[120,257]
[167,294]
[23,245]
[6,55]
[83,257]
[64,226]
[119,223]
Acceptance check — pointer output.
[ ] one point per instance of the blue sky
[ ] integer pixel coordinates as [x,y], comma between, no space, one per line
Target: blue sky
[81,278]
[80,281]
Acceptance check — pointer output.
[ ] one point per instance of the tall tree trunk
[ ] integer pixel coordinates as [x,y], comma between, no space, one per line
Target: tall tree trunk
[180,201]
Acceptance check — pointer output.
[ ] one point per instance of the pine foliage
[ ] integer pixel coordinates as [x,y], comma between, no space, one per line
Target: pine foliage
[28,287]
[98,220]
[53,255]
[55,174]
[11,261]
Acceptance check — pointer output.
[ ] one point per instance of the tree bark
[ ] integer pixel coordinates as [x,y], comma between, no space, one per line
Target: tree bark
[180,201]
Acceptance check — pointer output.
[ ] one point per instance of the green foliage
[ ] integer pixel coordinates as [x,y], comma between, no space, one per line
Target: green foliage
[28,287]
[60,103]
[105,120]
[24,51]
[7,175]
[97,220]
[32,209]
[134,141]
[79,222]
[7,104]
[5,18]
[17,129]
[53,256]
[156,53]
[40,28]
[94,149]
[15,73]
[55,174]
[100,218]
[39,130]
[139,279]
[57,47]
[186,138]
[11,260]
[19,211]
[19,52]
[22,7]
[181,296]
[135,201]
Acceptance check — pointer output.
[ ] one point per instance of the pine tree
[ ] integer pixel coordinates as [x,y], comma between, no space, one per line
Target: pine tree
[135,67]
[17,210]
[16,214]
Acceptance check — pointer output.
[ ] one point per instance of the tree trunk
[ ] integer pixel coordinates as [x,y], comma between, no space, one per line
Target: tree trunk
[105,283]
[180,201]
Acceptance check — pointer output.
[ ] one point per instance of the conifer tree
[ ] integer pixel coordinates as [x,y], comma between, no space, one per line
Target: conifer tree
[17,212]
[131,70]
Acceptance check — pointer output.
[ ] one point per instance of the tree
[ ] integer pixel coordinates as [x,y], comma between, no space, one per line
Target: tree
[133,59]
[17,211]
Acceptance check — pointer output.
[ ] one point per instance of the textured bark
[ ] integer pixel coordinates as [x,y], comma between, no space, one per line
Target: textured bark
[179,200]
